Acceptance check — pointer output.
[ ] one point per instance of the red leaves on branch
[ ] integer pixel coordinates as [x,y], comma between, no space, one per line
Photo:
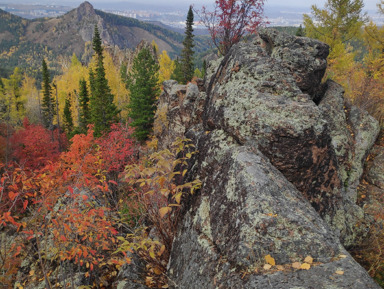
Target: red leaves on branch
[66,195]
[231,19]
[34,146]
[116,148]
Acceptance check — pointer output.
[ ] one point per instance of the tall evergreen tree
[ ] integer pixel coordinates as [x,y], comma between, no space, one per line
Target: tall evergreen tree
[187,52]
[48,107]
[144,89]
[68,121]
[103,110]
[91,81]
[177,73]
[84,113]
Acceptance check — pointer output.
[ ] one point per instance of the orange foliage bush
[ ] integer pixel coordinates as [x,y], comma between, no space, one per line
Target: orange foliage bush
[66,198]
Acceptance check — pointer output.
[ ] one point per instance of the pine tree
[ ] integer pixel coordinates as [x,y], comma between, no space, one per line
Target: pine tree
[204,69]
[48,107]
[84,113]
[92,81]
[187,52]
[103,111]
[177,73]
[144,89]
[68,121]
[300,31]
[3,102]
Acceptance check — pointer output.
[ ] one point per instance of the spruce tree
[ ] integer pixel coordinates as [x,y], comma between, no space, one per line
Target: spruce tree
[187,52]
[177,73]
[204,70]
[68,121]
[103,111]
[48,107]
[92,81]
[144,89]
[84,113]
[300,31]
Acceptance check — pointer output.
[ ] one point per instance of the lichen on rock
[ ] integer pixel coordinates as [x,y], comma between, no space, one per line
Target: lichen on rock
[280,156]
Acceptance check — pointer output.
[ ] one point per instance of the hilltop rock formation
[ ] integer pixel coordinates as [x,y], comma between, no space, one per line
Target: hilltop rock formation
[280,156]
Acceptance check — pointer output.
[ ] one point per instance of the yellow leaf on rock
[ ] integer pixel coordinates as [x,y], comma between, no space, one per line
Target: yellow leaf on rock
[267,267]
[305,266]
[343,256]
[270,260]
[296,265]
[280,267]
[339,272]
[308,260]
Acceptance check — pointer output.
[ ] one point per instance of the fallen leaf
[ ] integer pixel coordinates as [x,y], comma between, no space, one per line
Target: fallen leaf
[31,273]
[270,260]
[308,260]
[296,265]
[267,266]
[157,271]
[280,267]
[305,266]
[343,256]
[339,272]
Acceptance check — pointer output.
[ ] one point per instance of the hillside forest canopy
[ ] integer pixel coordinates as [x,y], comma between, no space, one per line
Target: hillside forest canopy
[82,178]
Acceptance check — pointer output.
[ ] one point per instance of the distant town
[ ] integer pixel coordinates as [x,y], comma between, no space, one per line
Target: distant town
[277,16]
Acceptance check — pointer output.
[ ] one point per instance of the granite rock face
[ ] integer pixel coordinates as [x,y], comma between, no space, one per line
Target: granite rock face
[280,156]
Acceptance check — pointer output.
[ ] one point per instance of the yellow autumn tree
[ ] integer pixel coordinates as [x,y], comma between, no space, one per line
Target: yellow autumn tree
[14,100]
[167,66]
[116,84]
[68,86]
[337,24]
[31,94]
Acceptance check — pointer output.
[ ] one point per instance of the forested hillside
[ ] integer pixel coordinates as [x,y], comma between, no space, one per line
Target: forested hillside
[24,43]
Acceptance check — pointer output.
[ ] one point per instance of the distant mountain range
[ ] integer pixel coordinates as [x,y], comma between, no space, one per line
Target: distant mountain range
[24,42]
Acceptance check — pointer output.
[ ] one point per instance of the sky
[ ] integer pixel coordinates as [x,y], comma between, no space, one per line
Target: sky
[369,4]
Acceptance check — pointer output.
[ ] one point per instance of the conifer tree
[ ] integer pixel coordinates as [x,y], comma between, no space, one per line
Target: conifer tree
[177,73]
[48,107]
[68,121]
[91,81]
[103,111]
[204,70]
[3,102]
[187,52]
[144,89]
[300,31]
[84,113]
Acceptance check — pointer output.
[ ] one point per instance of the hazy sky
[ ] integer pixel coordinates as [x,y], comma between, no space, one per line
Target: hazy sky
[369,4]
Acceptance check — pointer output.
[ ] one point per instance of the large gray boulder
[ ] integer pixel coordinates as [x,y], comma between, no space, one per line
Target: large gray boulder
[278,166]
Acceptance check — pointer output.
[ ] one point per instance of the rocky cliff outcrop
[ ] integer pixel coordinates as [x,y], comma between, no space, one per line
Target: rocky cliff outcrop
[280,157]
